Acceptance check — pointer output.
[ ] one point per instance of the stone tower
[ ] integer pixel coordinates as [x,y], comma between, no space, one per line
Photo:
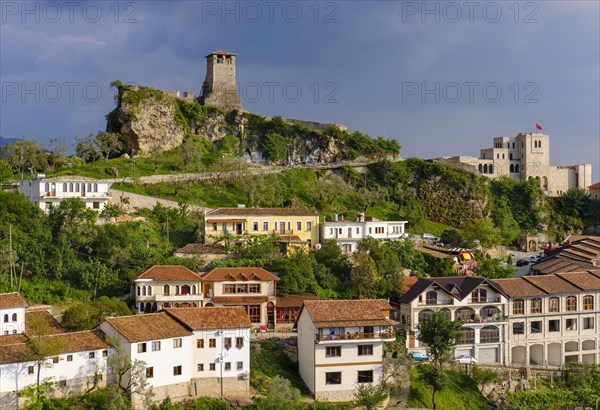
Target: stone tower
[219,88]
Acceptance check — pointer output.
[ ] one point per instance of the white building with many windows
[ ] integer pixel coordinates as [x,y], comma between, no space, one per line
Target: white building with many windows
[48,192]
[340,345]
[349,233]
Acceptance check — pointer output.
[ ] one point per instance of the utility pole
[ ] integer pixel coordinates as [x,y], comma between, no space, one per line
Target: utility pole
[167,245]
[10,255]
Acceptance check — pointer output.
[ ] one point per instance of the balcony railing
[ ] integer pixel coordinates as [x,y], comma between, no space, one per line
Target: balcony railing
[174,298]
[434,302]
[354,336]
[485,300]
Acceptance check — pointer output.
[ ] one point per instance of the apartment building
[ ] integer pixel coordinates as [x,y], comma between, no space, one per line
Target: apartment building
[48,192]
[340,345]
[295,227]
[165,286]
[480,304]
[553,319]
[349,233]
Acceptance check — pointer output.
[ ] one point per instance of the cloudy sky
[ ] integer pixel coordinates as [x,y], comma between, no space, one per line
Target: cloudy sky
[443,78]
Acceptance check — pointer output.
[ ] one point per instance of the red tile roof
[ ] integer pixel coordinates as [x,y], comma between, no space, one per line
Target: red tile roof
[54,325]
[172,273]
[145,327]
[345,313]
[208,318]
[238,274]
[11,300]
[595,186]
[261,212]
[295,300]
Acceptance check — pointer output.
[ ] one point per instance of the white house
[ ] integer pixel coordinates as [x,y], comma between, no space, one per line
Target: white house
[349,233]
[480,304]
[340,345]
[48,192]
[12,313]
[220,353]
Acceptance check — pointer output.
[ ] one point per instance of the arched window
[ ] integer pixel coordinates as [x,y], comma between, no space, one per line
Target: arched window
[70,187]
[512,168]
[142,307]
[65,187]
[177,289]
[517,168]
[518,307]
[166,290]
[489,334]
[491,169]
[485,169]
[193,289]
[431,297]
[571,303]
[479,295]
[149,290]
[89,187]
[510,156]
[139,290]
[425,314]
[466,337]
[77,187]
[588,302]
[6,318]
[536,305]
[185,290]
[447,312]
[545,183]
[489,311]
[480,168]
[14,317]
[553,305]
[143,290]
[464,314]
[95,187]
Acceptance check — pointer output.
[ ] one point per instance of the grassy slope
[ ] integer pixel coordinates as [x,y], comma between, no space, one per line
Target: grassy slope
[461,394]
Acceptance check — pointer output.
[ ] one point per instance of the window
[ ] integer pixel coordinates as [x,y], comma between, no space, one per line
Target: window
[240,366]
[254,288]
[333,378]
[466,337]
[519,328]
[228,288]
[479,296]
[139,292]
[265,226]
[365,376]
[200,367]
[141,347]
[518,307]
[96,205]
[200,343]
[536,305]
[227,343]
[227,366]
[254,313]
[211,367]
[69,358]
[333,351]
[176,370]
[14,317]
[299,225]
[212,342]
[105,353]
[431,297]
[255,226]
[242,289]
[365,350]
[536,326]
[489,334]
[6,318]
[588,302]
[571,324]
[55,360]
[588,322]
[554,325]
[29,369]
[177,343]
[149,372]
[62,383]
[239,342]
[571,303]
[156,346]
[425,314]
[553,304]
[214,226]
[92,355]
[309,228]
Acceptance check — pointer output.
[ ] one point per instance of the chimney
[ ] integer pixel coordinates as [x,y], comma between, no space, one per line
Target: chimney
[241,205]
[335,217]
[360,217]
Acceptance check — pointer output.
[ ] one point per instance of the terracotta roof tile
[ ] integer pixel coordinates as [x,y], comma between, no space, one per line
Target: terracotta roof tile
[595,186]
[261,212]
[228,317]
[175,273]
[149,326]
[551,284]
[10,300]
[238,274]
[518,287]
[342,313]
[583,280]
[54,325]
[295,300]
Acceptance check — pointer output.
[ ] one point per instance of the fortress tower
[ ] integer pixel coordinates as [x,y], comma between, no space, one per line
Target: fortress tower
[219,88]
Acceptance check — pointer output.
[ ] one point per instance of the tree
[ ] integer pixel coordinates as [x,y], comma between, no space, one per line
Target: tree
[83,316]
[58,153]
[493,269]
[439,333]
[451,237]
[364,276]
[504,220]
[6,171]
[280,395]
[26,155]
[369,396]
[275,147]
[413,213]
[41,344]
[131,376]
[483,376]
[435,377]
[74,222]
[484,231]
[111,211]
[108,143]
[87,149]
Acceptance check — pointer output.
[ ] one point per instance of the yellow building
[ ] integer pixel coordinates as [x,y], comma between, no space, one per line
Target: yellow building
[294,226]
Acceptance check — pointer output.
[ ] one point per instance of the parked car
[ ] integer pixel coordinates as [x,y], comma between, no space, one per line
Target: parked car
[419,357]
[522,262]
[534,258]
[465,359]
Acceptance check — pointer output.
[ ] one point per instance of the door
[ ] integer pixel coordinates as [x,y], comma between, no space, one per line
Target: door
[488,355]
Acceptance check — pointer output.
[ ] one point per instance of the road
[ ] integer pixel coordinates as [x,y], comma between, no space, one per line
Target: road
[517,255]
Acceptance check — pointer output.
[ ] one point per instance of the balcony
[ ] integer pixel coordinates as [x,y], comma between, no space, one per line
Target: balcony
[386,336]
[486,300]
[435,302]
[177,298]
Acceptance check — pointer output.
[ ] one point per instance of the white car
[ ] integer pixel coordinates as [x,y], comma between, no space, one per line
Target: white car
[465,359]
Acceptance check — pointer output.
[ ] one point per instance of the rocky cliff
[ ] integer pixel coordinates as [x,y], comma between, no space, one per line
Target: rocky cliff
[150,120]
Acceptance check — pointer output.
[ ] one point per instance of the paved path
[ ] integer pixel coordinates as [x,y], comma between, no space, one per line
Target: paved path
[144,201]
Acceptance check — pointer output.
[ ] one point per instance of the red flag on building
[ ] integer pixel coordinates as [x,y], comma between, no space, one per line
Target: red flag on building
[538,126]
